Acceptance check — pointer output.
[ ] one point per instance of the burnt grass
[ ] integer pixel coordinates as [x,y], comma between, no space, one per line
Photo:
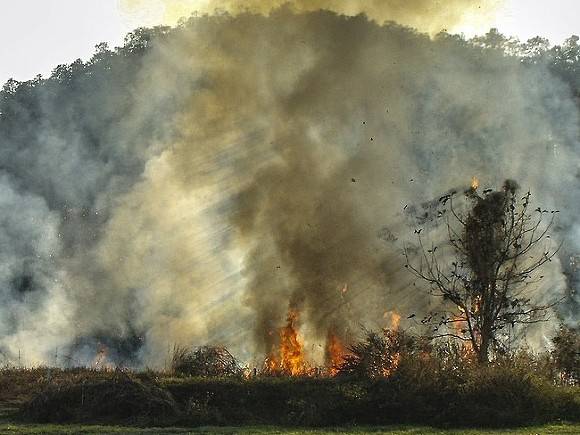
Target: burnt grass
[482,397]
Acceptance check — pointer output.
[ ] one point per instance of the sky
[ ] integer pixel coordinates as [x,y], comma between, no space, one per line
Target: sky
[36,36]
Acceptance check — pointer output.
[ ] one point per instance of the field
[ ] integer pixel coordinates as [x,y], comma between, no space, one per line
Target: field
[562,429]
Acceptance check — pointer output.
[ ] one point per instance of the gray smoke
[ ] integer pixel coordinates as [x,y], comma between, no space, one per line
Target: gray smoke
[194,187]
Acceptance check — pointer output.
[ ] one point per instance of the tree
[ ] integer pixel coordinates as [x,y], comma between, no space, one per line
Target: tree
[566,354]
[496,254]
[494,40]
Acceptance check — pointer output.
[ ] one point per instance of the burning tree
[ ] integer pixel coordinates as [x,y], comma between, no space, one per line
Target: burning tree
[497,252]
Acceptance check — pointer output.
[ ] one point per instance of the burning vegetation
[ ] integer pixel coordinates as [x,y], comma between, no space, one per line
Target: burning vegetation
[336,352]
[314,166]
[388,376]
[380,353]
[288,358]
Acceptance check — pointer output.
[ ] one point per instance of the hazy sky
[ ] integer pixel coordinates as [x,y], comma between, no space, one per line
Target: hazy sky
[37,35]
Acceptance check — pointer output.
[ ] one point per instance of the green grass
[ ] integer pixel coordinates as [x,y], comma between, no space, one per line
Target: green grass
[561,429]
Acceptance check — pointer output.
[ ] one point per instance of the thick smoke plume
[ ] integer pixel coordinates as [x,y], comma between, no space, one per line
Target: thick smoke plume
[197,184]
[425,15]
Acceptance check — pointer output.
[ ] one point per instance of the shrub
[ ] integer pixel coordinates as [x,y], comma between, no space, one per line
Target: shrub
[378,355]
[205,361]
[122,398]
[566,354]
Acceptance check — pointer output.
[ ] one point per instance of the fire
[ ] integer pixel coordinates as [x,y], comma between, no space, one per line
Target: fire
[392,360]
[335,353]
[474,183]
[459,328]
[459,324]
[393,365]
[101,358]
[291,348]
[289,359]
[272,364]
[395,319]
[288,356]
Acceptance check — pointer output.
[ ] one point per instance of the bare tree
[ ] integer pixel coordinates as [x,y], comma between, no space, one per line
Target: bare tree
[499,248]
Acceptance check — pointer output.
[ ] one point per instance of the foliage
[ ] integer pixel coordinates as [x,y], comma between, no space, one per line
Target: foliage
[441,386]
[379,354]
[566,354]
[434,386]
[122,398]
[204,361]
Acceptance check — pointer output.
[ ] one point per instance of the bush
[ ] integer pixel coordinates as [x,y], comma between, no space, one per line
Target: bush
[391,378]
[205,361]
[120,399]
[379,354]
[421,391]
[566,354]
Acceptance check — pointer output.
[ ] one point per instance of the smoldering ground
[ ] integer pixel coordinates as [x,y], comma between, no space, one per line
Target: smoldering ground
[194,186]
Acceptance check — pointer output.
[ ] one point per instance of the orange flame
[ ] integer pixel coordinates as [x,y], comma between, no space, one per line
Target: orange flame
[459,328]
[289,357]
[291,348]
[392,334]
[474,183]
[395,319]
[335,353]
[393,365]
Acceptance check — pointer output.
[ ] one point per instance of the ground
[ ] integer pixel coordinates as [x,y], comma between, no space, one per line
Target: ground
[395,430]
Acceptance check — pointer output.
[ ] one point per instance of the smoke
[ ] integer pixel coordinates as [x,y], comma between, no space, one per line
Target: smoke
[239,166]
[425,15]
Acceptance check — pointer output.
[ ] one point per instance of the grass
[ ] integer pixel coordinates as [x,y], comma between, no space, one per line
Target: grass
[560,429]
